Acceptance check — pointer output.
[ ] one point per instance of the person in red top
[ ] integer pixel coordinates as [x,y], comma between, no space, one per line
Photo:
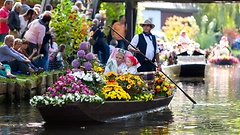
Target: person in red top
[4,11]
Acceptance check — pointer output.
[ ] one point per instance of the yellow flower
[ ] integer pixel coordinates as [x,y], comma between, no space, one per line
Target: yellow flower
[99,69]
[165,88]
[111,73]
[139,83]
[166,84]
[128,86]
[158,87]
[156,78]
[169,93]
[95,68]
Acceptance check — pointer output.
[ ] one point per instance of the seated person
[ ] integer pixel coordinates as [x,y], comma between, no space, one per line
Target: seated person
[116,61]
[5,71]
[22,50]
[16,60]
[17,44]
[131,65]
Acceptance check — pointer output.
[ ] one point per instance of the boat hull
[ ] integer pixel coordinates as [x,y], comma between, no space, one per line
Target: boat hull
[186,70]
[224,62]
[101,112]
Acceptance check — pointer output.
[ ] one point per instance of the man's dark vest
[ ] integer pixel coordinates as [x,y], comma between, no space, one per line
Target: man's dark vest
[142,46]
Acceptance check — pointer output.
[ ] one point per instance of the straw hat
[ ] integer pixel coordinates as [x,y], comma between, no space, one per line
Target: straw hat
[147,22]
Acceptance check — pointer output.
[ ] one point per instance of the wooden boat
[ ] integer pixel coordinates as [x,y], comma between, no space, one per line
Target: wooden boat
[187,66]
[99,112]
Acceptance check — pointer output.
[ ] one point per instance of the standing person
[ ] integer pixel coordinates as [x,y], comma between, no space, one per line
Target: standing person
[36,32]
[184,39]
[146,43]
[121,28]
[25,7]
[100,46]
[109,36]
[80,6]
[14,21]
[25,19]
[4,12]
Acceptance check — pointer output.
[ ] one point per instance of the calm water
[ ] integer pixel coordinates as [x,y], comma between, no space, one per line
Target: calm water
[216,113]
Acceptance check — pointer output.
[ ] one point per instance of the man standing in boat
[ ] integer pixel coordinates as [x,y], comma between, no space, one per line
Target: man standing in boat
[146,44]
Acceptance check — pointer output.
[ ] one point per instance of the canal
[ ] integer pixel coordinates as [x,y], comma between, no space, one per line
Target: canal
[217,112]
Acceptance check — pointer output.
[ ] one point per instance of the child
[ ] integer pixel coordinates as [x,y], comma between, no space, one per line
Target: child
[17,44]
[57,62]
[113,45]
[23,51]
[54,46]
[131,65]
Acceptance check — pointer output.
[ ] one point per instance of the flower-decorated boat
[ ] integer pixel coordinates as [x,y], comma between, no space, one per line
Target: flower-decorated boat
[85,94]
[101,112]
[224,60]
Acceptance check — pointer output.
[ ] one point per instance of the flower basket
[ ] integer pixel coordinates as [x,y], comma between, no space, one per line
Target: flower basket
[161,86]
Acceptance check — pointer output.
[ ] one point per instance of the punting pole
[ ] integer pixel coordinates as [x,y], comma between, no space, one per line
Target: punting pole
[194,102]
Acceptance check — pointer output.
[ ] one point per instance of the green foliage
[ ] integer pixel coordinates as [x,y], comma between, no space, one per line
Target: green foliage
[226,15]
[111,13]
[70,28]
[207,37]
[236,52]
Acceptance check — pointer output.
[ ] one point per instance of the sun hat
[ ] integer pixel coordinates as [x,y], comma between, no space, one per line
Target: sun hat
[147,22]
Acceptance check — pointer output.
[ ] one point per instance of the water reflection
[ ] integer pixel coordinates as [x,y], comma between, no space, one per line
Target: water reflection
[217,112]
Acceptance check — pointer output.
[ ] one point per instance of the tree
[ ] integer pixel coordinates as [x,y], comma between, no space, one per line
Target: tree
[226,15]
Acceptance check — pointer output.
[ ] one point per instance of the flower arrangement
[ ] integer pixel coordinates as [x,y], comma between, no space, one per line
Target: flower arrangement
[68,88]
[224,60]
[161,86]
[112,90]
[81,83]
[132,83]
[87,69]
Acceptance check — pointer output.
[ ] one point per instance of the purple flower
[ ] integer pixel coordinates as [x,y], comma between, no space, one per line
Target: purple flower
[83,46]
[76,70]
[89,56]
[87,66]
[81,53]
[75,63]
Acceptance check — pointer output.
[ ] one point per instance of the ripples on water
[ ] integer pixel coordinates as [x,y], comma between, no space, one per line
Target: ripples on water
[217,112]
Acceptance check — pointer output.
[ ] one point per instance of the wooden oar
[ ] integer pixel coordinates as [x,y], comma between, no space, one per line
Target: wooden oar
[194,102]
